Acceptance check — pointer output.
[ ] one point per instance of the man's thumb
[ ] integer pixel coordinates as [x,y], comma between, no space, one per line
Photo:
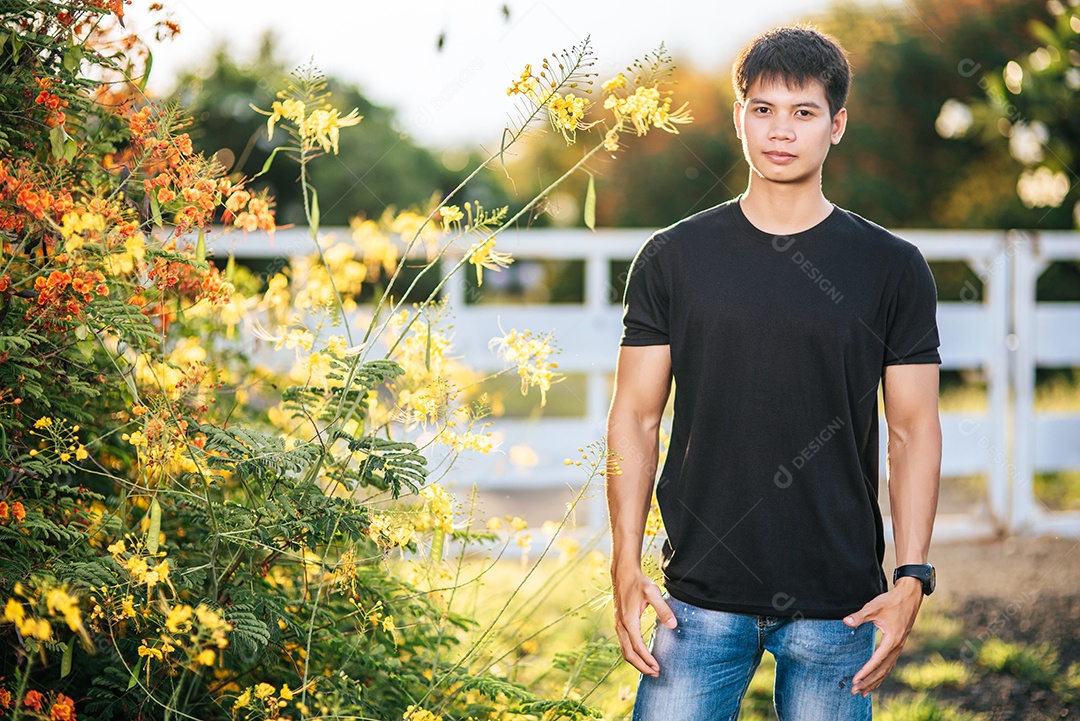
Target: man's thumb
[856,619]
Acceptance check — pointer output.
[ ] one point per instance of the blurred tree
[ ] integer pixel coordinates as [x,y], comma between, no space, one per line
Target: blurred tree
[1032,105]
[377,166]
[893,166]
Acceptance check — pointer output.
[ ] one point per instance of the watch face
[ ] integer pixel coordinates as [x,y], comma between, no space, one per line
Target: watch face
[931,584]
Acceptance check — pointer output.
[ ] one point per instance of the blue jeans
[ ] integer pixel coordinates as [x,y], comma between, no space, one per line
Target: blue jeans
[707,661]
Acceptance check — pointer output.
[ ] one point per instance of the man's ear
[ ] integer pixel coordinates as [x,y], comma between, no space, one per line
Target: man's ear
[839,124]
[737,117]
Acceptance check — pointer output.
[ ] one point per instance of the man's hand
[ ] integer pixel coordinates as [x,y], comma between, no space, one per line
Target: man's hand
[893,612]
[633,592]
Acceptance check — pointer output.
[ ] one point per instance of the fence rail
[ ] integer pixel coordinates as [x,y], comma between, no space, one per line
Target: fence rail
[1001,331]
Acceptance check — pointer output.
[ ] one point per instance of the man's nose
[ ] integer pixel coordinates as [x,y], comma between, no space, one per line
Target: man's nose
[781,129]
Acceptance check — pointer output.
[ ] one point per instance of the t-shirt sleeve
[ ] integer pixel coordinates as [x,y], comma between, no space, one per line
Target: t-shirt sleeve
[912,333]
[645,302]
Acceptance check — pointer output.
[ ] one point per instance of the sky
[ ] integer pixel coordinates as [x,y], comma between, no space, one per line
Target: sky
[458,96]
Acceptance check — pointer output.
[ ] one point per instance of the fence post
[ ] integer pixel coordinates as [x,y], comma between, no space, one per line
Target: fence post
[598,391]
[996,274]
[1022,342]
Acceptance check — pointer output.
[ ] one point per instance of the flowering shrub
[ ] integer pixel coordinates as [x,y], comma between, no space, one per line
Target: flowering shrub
[185,532]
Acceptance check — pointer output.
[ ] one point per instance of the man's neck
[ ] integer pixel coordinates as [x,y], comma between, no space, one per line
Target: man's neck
[784,209]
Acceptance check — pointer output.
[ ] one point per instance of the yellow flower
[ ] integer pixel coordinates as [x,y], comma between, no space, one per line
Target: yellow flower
[335,346]
[117,548]
[566,114]
[136,439]
[14,612]
[323,126]
[263,691]
[243,700]
[611,140]
[645,108]
[206,657]
[59,601]
[127,607]
[285,693]
[290,109]
[43,422]
[178,617]
[450,214]
[619,81]
[518,523]
[415,713]
[154,653]
[530,354]
[494,523]
[442,506]
[388,623]
[483,255]
[81,454]
[524,85]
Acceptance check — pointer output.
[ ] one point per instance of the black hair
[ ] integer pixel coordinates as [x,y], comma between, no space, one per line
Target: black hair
[794,55]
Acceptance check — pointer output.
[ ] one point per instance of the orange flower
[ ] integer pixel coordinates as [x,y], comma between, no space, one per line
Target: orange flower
[63,709]
[183,144]
[5,698]
[140,123]
[80,284]
[33,699]
[4,511]
[18,511]
[165,195]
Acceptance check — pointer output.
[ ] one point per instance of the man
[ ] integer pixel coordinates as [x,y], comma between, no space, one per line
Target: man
[777,314]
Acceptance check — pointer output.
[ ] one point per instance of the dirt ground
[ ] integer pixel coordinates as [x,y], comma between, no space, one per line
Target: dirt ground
[1021,591]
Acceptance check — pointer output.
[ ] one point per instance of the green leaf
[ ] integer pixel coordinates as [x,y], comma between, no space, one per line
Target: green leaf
[135,673]
[146,70]
[82,331]
[71,148]
[230,268]
[3,39]
[427,348]
[270,160]
[1044,34]
[314,214]
[438,538]
[155,210]
[590,204]
[86,347]
[57,136]
[154,531]
[200,247]
[65,660]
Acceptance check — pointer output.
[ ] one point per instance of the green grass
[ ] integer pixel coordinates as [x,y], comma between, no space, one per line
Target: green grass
[1036,664]
[921,708]
[934,673]
[1059,491]
[937,630]
[758,701]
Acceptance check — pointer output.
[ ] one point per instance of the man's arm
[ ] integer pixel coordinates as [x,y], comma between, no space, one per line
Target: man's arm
[642,385]
[911,411]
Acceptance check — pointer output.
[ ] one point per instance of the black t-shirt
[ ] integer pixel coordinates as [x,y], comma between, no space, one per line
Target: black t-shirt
[769,493]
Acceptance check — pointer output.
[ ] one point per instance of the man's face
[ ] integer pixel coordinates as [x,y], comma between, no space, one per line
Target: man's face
[786,131]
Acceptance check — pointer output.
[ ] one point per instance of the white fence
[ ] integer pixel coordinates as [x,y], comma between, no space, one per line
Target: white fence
[1006,334]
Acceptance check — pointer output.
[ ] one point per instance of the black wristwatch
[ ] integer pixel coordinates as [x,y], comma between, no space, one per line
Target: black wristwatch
[922,571]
